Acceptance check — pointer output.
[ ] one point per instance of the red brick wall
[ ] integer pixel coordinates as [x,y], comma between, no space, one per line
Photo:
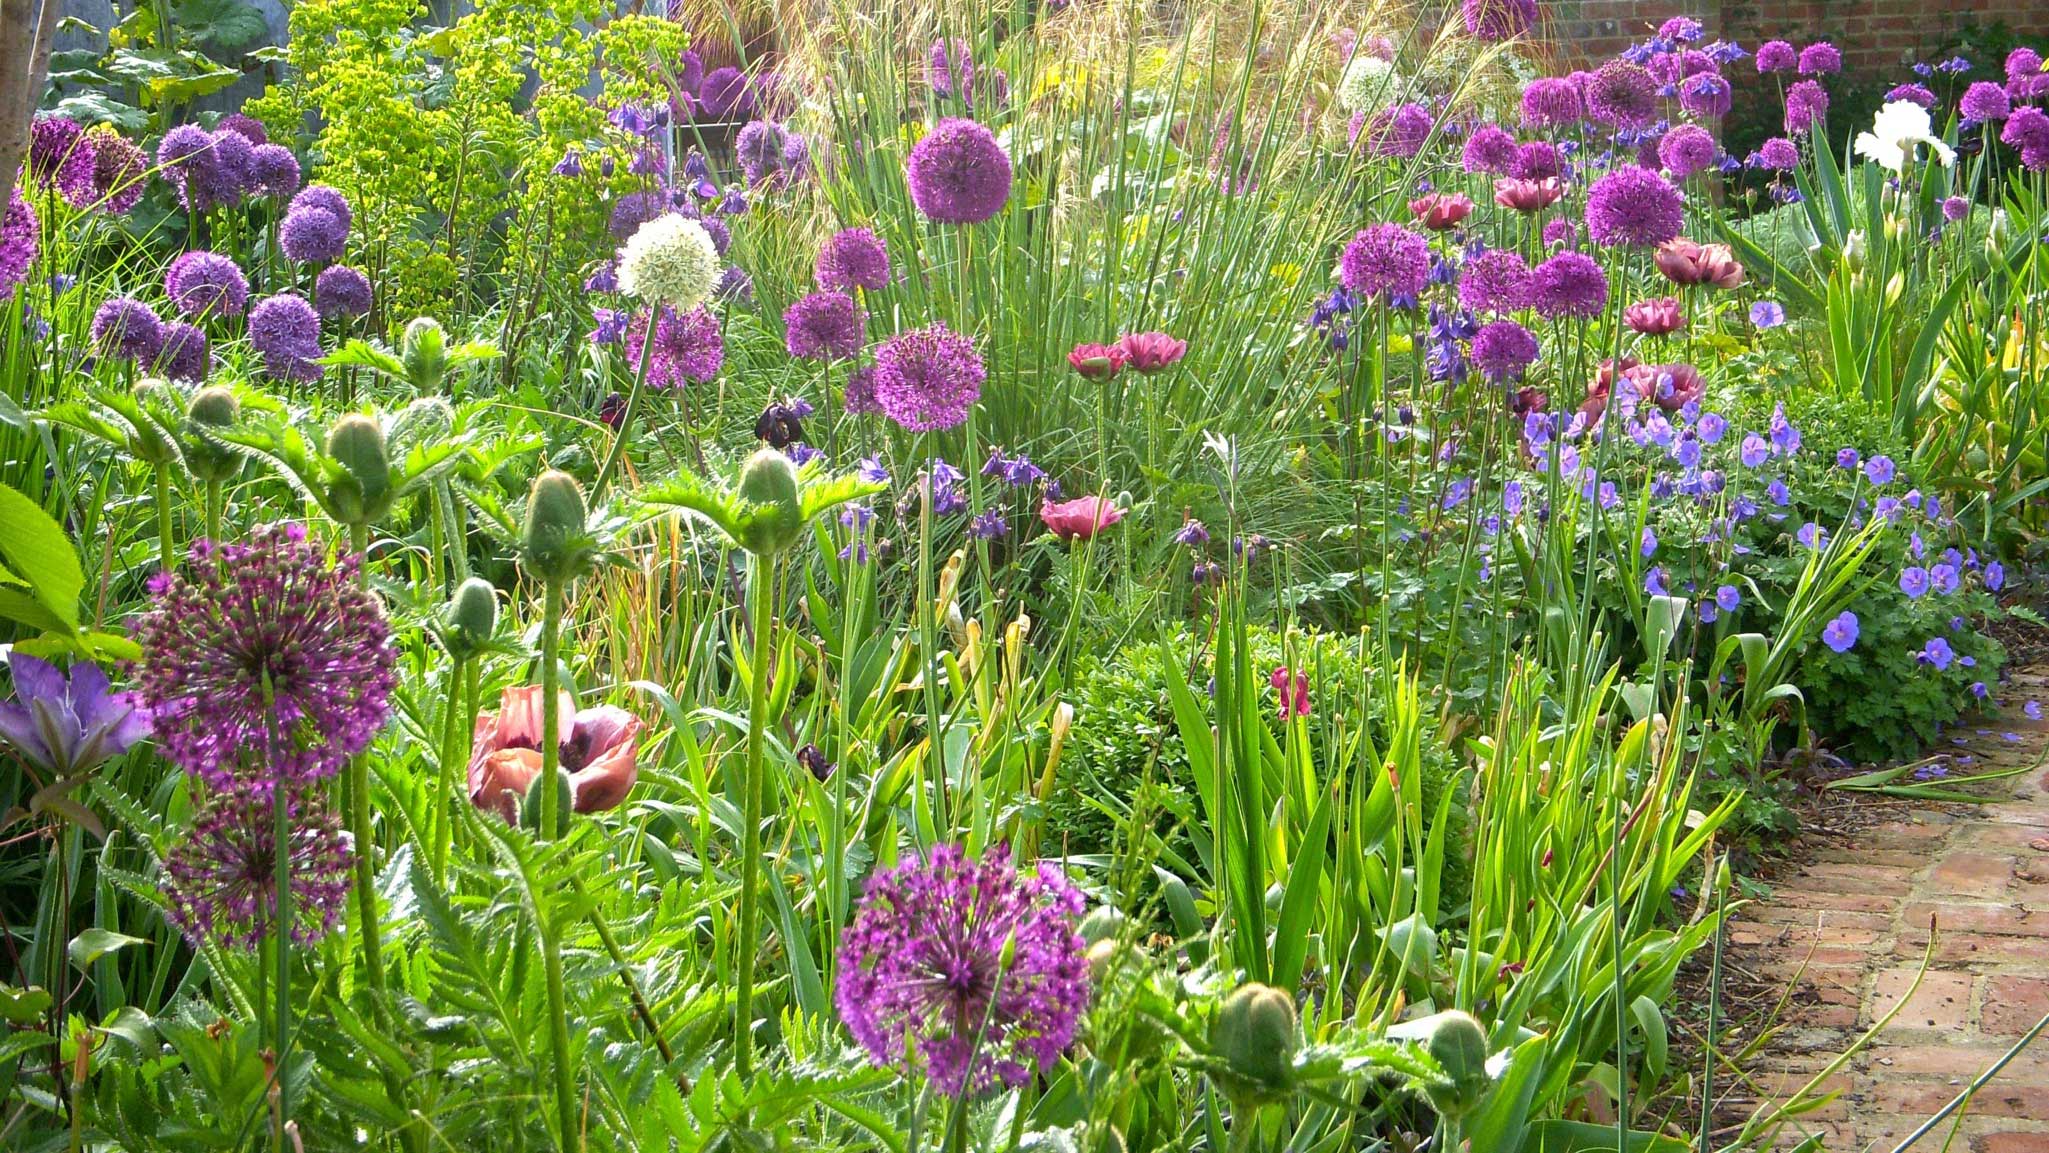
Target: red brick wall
[1876,36]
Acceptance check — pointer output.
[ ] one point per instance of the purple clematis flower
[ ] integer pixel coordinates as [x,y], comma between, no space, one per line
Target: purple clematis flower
[65,726]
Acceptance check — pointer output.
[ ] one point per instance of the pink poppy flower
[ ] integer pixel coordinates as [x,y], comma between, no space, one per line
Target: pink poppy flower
[598,747]
[1080,518]
[1441,210]
[1097,361]
[1151,351]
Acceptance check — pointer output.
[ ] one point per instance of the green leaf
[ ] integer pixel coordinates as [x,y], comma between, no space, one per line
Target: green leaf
[36,550]
[20,1006]
[95,943]
[227,24]
[1556,1136]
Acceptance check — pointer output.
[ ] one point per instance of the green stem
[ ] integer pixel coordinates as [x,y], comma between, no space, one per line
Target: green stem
[625,429]
[558,1033]
[760,581]
[213,510]
[359,818]
[453,765]
[165,550]
[551,719]
[281,927]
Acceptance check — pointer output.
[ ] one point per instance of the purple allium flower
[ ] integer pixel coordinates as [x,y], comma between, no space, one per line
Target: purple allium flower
[1806,106]
[273,172]
[1912,94]
[126,327]
[218,176]
[222,878]
[1385,259]
[1623,95]
[1490,149]
[286,331]
[1503,350]
[1536,160]
[1840,634]
[924,978]
[326,198]
[688,348]
[247,127]
[950,67]
[202,283]
[1494,281]
[1688,150]
[1777,56]
[928,378]
[1706,96]
[1568,284]
[1820,59]
[1634,207]
[60,158]
[825,326]
[312,236]
[759,147]
[1778,154]
[341,292]
[860,397]
[19,233]
[1401,131]
[264,637]
[958,174]
[1984,103]
[64,725]
[120,170]
[2027,129]
[1497,20]
[1552,102]
[734,284]
[853,258]
[185,355]
[726,95]
[1560,233]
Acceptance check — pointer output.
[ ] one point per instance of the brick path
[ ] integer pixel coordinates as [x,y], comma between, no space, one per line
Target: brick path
[1857,918]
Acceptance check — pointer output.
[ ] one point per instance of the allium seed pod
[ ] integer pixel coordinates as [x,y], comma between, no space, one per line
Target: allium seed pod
[555,519]
[472,617]
[424,349]
[211,408]
[1256,1034]
[363,491]
[769,479]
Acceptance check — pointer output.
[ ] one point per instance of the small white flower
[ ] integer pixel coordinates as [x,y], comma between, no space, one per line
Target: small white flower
[1898,129]
[669,260]
[1367,85]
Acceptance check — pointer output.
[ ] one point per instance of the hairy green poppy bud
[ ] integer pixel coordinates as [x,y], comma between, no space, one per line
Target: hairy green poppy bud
[553,544]
[424,421]
[769,481]
[1460,1045]
[424,349]
[1256,1035]
[565,799]
[1103,923]
[363,491]
[153,396]
[211,408]
[472,617]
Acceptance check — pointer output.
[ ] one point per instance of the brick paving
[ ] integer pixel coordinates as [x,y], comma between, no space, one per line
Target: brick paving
[1847,934]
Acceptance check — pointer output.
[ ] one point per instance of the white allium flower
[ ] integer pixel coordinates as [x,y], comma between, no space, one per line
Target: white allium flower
[1368,84]
[670,260]
[1895,133]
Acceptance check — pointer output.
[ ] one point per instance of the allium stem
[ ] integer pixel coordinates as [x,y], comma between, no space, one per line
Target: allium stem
[165,549]
[760,581]
[625,429]
[281,926]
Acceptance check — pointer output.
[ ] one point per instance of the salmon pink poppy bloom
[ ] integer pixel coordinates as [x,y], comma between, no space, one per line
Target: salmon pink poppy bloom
[1441,210]
[1080,518]
[597,745]
[1686,263]
[1528,195]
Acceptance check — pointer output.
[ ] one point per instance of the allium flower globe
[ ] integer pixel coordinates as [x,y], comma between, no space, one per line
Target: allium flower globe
[1806,107]
[928,378]
[1385,259]
[688,347]
[1552,102]
[1634,207]
[125,327]
[60,158]
[1400,132]
[120,170]
[262,637]
[1570,284]
[1706,96]
[1985,102]
[958,173]
[1820,59]
[341,292]
[273,171]
[1490,149]
[312,236]
[185,355]
[1537,160]
[20,232]
[285,330]
[1623,95]
[1497,20]
[202,283]
[825,326]
[1503,350]
[963,971]
[326,198]
[853,258]
[222,878]
[1368,84]
[1494,281]
[1777,56]
[669,260]
[1687,151]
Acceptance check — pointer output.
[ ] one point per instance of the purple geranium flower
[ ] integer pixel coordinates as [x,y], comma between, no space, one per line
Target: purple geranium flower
[1840,634]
